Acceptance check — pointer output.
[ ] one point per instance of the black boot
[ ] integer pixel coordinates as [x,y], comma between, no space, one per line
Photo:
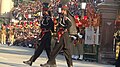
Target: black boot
[28,62]
[45,65]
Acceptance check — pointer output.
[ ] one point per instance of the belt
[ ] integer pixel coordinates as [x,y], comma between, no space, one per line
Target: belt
[44,30]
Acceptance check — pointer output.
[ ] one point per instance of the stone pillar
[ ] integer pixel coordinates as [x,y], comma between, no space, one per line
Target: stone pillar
[108,11]
[6,6]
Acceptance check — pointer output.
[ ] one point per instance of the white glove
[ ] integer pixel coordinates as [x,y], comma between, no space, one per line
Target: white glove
[80,36]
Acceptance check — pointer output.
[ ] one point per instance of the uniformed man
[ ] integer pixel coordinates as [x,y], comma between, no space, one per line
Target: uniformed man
[3,40]
[11,36]
[62,42]
[47,26]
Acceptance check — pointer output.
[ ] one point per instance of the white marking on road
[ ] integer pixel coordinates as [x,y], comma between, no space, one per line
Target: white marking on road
[3,58]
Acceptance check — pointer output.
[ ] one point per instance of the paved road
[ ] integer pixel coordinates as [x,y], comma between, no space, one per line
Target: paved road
[13,56]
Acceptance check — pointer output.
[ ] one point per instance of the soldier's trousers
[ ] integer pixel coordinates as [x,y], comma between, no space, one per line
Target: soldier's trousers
[3,40]
[11,39]
[64,44]
[45,44]
[118,61]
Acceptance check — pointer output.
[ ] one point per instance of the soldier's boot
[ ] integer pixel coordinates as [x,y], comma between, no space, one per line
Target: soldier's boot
[28,62]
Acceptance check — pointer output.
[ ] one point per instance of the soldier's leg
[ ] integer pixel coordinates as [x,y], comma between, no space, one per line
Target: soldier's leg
[51,62]
[52,43]
[57,48]
[72,50]
[37,53]
[76,53]
[4,39]
[68,57]
[67,50]
[81,51]
[48,47]
[12,40]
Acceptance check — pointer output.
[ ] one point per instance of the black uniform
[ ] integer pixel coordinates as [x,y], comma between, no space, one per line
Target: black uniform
[118,61]
[47,26]
[62,44]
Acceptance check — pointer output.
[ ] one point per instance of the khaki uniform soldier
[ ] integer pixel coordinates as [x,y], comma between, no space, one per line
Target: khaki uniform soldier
[77,48]
[80,48]
[3,36]
[11,36]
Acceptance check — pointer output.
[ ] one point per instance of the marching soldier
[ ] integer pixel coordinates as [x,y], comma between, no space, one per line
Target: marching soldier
[62,42]
[47,26]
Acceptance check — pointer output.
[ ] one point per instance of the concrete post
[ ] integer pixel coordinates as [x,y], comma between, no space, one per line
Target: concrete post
[108,11]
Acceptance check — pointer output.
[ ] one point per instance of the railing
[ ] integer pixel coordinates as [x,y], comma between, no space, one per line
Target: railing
[91,52]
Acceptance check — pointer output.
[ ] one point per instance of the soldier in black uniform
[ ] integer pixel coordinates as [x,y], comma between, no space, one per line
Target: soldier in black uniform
[47,26]
[62,42]
[118,59]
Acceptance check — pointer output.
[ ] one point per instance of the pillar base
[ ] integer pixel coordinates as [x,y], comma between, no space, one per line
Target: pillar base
[107,58]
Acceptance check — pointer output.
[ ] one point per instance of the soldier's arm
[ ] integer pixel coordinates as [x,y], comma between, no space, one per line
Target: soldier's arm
[68,22]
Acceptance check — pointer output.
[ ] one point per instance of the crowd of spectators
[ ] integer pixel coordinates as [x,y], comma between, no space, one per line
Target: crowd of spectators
[27,17]
[24,26]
